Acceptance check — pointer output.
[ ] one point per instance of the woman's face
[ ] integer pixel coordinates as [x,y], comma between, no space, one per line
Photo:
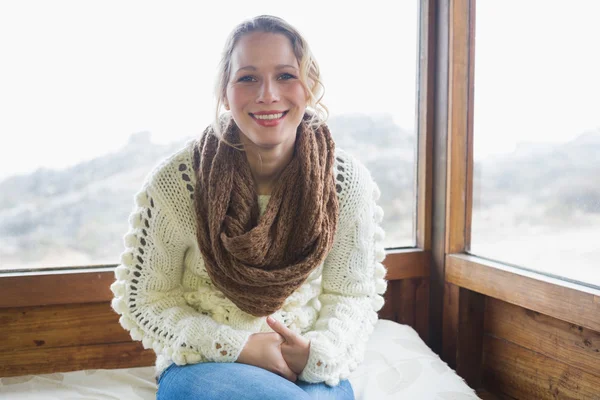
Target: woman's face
[264,93]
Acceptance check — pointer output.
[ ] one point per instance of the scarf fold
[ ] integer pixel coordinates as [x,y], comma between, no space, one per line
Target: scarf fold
[258,262]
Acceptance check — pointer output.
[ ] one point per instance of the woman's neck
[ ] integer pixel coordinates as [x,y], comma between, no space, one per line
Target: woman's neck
[267,164]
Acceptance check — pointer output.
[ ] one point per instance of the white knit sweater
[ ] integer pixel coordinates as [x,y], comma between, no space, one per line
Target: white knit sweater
[167,300]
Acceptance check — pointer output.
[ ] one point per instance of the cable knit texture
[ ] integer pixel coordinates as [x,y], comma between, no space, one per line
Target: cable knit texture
[167,300]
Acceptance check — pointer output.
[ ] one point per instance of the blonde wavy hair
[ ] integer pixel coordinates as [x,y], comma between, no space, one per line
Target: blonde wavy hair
[310,76]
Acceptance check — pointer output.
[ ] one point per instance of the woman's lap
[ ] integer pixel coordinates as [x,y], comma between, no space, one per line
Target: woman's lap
[214,381]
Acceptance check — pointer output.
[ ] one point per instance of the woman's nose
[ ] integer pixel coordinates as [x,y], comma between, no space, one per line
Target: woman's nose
[268,93]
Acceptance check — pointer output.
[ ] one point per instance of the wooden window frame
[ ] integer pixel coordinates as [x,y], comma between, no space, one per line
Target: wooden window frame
[91,284]
[468,278]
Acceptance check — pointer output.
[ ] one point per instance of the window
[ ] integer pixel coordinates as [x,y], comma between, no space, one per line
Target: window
[536,192]
[94,95]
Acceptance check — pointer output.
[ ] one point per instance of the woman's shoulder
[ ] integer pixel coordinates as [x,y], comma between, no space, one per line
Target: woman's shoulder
[357,191]
[172,180]
[174,167]
[352,177]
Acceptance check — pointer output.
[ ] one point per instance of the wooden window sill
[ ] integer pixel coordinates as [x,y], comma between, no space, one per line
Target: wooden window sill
[92,284]
[557,298]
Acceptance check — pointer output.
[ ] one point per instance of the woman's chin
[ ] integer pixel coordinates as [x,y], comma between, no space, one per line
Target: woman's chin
[268,144]
[267,140]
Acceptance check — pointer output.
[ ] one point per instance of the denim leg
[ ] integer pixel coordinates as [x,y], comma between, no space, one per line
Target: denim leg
[213,381]
[320,391]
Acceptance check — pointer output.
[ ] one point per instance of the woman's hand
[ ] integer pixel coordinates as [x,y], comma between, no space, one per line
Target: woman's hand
[264,350]
[295,348]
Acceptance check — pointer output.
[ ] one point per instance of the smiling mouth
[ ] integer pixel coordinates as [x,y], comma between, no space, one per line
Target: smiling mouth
[268,117]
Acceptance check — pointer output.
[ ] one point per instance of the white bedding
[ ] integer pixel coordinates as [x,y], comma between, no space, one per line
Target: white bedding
[398,365]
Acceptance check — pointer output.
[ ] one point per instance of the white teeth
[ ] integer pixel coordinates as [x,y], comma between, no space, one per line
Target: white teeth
[268,116]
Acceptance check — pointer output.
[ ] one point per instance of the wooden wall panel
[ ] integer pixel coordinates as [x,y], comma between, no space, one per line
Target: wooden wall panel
[405,302]
[470,336]
[59,326]
[74,358]
[422,309]
[70,337]
[57,287]
[571,344]
[525,374]
[387,311]
[450,326]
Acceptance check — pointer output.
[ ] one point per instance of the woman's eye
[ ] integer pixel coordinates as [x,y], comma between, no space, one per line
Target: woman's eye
[286,76]
[246,78]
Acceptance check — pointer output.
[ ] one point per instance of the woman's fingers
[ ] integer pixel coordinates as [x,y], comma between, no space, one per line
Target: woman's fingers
[294,348]
[288,374]
[285,332]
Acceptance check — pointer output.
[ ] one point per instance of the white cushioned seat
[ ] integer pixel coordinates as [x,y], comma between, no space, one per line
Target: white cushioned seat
[397,365]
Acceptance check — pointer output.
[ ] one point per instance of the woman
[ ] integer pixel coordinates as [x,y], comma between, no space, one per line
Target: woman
[253,262]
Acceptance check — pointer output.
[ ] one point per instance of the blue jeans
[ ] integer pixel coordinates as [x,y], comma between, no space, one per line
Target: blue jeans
[227,381]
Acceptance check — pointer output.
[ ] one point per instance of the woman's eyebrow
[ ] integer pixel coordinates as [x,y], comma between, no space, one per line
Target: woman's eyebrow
[248,68]
[252,68]
[281,66]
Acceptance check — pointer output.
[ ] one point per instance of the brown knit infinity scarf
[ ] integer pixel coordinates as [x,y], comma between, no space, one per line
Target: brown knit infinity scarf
[258,262]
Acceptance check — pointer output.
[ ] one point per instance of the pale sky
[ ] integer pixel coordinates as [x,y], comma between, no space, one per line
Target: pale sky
[537,72]
[77,78]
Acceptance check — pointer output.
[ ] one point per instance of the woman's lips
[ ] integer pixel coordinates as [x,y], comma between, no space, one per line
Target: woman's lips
[269,118]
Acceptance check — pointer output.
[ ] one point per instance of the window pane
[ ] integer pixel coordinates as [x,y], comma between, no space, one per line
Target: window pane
[93,95]
[536,198]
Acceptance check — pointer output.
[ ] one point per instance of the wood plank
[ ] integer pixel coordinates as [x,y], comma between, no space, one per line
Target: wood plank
[450,332]
[393,299]
[525,374]
[438,25]
[55,287]
[457,188]
[426,123]
[75,358]
[470,336]
[59,326]
[405,304]
[484,394]
[572,344]
[422,309]
[387,311]
[557,298]
[406,264]
[458,114]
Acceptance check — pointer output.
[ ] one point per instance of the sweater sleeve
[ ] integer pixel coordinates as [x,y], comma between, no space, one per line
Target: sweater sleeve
[353,282]
[148,293]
